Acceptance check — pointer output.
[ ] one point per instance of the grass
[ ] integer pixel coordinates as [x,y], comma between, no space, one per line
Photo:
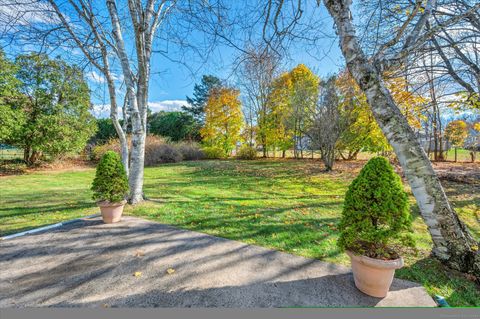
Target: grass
[463,155]
[11,154]
[290,205]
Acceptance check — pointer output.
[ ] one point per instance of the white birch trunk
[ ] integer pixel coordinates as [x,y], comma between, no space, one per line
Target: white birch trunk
[453,244]
[114,116]
[135,179]
[145,21]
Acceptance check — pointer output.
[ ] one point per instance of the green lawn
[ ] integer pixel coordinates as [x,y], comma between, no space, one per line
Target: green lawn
[463,155]
[290,205]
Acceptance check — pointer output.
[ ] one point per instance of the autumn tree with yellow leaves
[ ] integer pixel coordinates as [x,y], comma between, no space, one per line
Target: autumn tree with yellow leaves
[456,133]
[303,99]
[411,104]
[291,103]
[223,119]
[276,130]
[363,132]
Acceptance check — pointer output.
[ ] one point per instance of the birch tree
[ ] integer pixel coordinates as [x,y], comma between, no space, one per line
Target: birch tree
[85,29]
[453,244]
[145,19]
[115,35]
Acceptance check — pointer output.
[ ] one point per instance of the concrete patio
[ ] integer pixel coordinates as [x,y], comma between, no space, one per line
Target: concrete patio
[137,263]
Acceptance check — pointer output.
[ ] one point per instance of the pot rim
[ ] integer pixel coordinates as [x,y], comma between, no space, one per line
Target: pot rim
[106,203]
[376,263]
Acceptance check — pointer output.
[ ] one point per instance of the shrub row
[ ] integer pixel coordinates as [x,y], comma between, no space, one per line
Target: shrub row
[157,151]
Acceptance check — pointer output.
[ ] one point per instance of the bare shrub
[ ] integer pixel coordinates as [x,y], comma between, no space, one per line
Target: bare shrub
[156,150]
[98,151]
[190,151]
[163,153]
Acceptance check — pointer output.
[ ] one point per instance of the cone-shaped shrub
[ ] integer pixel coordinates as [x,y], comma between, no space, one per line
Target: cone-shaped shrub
[110,183]
[376,220]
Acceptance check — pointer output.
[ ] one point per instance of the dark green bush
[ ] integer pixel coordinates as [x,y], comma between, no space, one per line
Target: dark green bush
[110,183]
[376,220]
[247,152]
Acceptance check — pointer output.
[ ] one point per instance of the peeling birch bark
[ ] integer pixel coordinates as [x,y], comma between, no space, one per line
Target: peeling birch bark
[452,242]
[145,21]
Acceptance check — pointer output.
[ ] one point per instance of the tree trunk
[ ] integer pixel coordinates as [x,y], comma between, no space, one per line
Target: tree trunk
[441,153]
[26,154]
[114,115]
[301,146]
[429,148]
[34,157]
[453,244]
[435,141]
[328,157]
[137,94]
[137,160]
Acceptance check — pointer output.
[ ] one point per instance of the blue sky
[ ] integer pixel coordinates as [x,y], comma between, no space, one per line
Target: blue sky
[175,81]
[171,82]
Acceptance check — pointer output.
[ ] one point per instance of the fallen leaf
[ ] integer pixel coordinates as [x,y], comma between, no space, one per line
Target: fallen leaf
[170,271]
[139,253]
[138,274]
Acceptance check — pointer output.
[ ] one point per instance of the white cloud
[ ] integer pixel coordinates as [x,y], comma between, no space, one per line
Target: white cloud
[26,12]
[117,77]
[103,110]
[167,105]
[95,77]
[98,78]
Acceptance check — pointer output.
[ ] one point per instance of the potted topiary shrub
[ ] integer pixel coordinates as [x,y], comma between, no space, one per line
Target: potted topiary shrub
[110,187]
[375,226]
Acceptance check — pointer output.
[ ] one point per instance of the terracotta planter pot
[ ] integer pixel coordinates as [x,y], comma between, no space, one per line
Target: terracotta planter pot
[373,276]
[111,212]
